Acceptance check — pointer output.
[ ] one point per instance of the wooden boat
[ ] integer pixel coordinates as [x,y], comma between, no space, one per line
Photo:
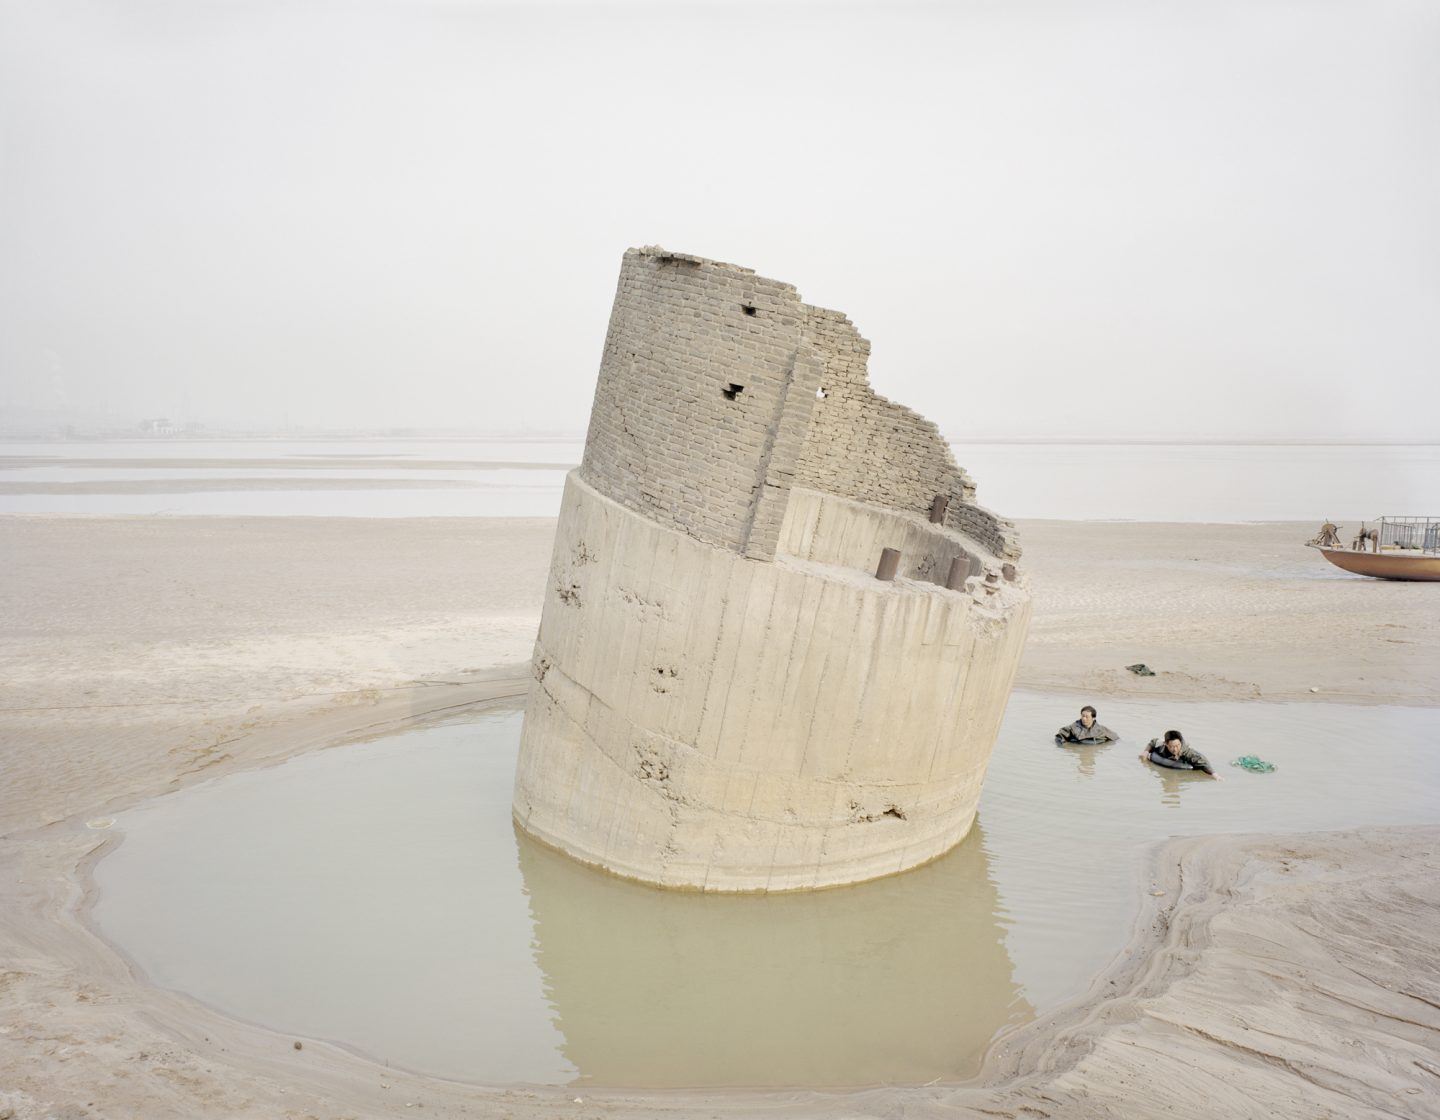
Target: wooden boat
[1405,548]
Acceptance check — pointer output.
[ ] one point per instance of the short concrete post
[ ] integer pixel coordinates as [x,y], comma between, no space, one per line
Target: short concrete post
[938,508]
[889,564]
[1008,571]
[959,573]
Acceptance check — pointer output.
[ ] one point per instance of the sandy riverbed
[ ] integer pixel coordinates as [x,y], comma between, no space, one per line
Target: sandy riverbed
[141,655]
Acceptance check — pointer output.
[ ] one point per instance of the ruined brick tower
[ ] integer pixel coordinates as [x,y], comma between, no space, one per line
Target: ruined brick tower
[725,696]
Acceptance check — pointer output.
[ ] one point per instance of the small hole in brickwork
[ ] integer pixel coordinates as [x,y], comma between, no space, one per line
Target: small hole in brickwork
[748,308]
[731,391]
[820,393]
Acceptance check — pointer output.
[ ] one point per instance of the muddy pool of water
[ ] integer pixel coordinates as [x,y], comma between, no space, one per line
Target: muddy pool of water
[378,895]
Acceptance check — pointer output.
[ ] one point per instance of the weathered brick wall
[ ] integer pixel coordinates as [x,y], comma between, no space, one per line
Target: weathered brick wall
[991,530]
[703,399]
[867,448]
[706,411]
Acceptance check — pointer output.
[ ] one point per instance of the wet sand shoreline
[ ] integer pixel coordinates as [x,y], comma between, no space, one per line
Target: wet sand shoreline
[145,655]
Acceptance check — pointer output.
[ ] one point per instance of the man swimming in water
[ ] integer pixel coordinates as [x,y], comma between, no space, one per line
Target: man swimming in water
[1084,730]
[1173,752]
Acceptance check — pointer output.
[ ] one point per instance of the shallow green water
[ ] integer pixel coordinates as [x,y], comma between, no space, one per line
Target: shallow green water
[377,895]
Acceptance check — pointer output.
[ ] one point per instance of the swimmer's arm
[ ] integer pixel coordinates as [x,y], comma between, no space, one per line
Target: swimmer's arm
[1200,762]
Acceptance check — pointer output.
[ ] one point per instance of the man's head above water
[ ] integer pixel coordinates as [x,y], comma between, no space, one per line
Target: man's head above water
[1088,716]
[1174,742]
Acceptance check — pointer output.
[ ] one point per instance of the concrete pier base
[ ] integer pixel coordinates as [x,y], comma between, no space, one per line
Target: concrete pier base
[706,721]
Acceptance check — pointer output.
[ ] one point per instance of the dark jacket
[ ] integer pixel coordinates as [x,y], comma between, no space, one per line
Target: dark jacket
[1188,759]
[1077,733]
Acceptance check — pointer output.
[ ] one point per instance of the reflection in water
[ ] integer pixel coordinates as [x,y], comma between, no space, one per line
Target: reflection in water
[905,979]
[1173,781]
[1086,755]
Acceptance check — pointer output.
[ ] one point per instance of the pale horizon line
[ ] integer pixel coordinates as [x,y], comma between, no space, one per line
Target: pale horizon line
[301,434]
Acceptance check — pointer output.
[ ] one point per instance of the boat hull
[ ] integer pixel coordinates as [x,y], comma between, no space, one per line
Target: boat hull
[1385,565]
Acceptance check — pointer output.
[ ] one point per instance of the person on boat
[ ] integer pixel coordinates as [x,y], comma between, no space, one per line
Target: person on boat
[1172,752]
[1084,730]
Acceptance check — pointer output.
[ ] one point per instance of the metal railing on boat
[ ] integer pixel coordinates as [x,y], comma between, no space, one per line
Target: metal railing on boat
[1419,534]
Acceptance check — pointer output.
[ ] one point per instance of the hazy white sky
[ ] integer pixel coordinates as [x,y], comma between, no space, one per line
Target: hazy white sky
[1091,219]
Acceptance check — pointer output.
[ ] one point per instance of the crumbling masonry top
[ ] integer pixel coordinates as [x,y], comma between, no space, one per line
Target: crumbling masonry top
[720,390]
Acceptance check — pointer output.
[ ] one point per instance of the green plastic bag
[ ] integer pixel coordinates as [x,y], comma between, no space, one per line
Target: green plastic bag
[1254,764]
